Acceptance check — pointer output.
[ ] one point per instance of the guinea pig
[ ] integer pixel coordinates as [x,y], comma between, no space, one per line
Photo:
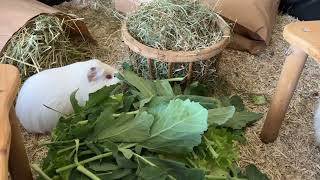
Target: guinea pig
[45,97]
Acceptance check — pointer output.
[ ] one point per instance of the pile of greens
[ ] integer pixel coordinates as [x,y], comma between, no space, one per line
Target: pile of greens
[143,129]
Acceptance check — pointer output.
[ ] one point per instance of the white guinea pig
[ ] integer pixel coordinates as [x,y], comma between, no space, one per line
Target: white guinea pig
[52,88]
[317,123]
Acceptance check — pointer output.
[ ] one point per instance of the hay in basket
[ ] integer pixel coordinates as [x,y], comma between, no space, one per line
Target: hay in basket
[44,43]
[182,37]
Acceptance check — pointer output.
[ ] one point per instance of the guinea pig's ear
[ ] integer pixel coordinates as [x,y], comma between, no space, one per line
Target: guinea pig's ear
[92,74]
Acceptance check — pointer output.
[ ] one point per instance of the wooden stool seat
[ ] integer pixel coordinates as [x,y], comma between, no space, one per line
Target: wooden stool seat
[13,156]
[304,38]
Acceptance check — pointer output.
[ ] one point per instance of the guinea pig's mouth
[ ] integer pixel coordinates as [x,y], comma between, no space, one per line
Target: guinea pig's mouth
[117,75]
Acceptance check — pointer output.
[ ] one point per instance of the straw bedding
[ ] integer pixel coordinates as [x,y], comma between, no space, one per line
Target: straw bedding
[44,43]
[294,155]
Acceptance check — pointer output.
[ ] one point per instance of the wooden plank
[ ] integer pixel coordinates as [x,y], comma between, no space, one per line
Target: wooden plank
[306,36]
[9,83]
[19,166]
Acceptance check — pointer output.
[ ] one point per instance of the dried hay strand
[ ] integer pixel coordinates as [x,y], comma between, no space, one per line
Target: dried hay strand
[43,43]
[178,25]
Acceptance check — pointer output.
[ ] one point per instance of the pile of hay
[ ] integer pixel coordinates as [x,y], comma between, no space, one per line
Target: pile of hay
[43,43]
[179,25]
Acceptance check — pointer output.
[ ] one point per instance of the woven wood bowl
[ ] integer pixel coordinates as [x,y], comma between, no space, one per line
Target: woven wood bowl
[172,57]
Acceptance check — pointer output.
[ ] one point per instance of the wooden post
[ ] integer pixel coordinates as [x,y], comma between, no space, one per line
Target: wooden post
[151,68]
[18,160]
[206,69]
[9,83]
[170,67]
[190,72]
[289,77]
[4,145]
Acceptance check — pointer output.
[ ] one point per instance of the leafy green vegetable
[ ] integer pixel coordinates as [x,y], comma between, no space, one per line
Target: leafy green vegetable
[164,88]
[168,131]
[127,66]
[104,166]
[196,89]
[216,150]
[99,96]
[151,173]
[142,102]
[220,116]
[252,173]
[117,174]
[206,102]
[235,101]
[146,87]
[174,170]
[177,89]
[76,107]
[242,119]
[122,128]
[142,129]
[259,100]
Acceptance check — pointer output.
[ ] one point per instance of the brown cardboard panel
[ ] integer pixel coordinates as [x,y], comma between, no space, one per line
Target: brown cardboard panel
[254,18]
[254,21]
[14,14]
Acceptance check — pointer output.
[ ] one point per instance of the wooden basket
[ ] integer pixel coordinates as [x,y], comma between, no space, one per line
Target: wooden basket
[172,57]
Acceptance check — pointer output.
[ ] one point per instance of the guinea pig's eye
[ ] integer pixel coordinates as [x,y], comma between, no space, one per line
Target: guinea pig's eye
[93,68]
[109,76]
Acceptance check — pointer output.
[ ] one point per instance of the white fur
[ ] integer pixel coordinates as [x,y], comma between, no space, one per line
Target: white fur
[53,88]
[317,123]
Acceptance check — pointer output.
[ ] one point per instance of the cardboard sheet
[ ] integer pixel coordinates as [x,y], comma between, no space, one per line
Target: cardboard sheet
[14,14]
[254,18]
[254,21]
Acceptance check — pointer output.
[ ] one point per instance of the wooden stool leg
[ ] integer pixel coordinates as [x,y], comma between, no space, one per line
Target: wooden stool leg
[18,161]
[290,75]
[4,144]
